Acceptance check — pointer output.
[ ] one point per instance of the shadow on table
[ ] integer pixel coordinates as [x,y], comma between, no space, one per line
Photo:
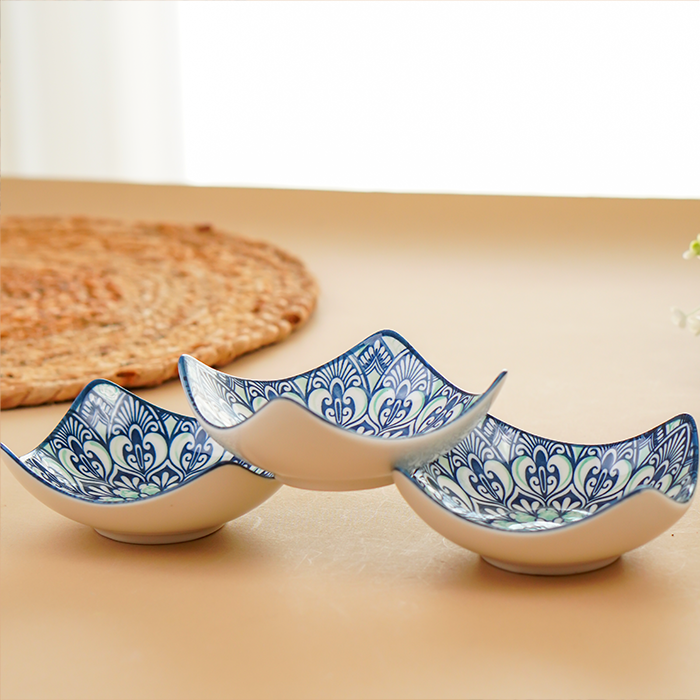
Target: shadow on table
[72,543]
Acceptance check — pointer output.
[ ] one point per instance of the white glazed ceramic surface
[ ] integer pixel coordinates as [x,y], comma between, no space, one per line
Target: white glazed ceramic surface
[344,425]
[137,473]
[532,505]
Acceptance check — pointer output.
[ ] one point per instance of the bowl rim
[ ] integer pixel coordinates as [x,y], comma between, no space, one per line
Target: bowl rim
[491,390]
[17,459]
[686,417]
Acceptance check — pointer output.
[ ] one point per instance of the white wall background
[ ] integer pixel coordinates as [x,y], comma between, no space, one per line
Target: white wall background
[559,98]
[91,90]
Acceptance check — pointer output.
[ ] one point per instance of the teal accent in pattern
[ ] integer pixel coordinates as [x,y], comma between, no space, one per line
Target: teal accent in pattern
[114,447]
[504,478]
[381,387]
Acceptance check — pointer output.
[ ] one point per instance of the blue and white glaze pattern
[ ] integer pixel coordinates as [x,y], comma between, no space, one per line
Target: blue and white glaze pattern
[113,447]
[381,387]
[507,479]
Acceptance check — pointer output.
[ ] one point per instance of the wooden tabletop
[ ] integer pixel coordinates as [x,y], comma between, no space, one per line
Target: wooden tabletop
[351,595]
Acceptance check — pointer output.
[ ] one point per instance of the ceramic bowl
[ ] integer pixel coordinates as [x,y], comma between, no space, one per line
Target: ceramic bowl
[137,473]
[343,425]
[538,506]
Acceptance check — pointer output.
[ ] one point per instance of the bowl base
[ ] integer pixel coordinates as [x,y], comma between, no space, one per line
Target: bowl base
[337,485]
[551,570]
[131,538]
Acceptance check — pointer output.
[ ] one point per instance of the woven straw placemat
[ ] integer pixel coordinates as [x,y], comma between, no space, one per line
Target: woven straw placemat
[85,298]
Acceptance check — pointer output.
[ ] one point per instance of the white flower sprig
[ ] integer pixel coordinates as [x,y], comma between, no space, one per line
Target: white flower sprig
[691,320]
[693,249]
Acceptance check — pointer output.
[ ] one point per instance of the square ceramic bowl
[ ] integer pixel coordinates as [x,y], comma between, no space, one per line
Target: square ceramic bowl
[533,505]
[344,425]
[136,472]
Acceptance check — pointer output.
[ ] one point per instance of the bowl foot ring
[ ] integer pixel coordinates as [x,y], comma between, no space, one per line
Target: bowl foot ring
[131,538]
[551,570]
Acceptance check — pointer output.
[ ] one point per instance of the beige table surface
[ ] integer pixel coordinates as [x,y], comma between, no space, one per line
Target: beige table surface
[350,595]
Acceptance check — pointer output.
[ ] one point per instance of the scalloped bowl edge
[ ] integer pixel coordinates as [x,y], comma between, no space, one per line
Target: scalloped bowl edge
[184,374]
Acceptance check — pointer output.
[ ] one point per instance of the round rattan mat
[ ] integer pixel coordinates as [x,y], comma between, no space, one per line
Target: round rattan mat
[85,298]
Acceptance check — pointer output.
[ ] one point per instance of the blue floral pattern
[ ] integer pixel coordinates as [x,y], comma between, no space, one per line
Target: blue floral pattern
[511,480]
[381,387]
[112,447]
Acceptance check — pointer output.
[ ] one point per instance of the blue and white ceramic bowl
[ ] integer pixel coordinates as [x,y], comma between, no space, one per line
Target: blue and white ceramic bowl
[343,425]
[136,472]
[532,505]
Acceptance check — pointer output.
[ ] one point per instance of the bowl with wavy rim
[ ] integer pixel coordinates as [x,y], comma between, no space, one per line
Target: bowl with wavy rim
[532,505]
[136,472]
[344,425]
